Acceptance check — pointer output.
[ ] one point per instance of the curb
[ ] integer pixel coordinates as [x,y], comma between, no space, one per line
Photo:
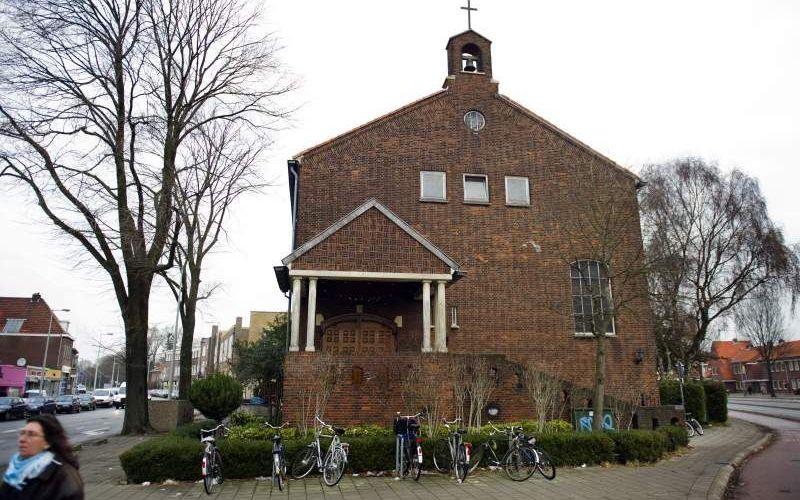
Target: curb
[721,482]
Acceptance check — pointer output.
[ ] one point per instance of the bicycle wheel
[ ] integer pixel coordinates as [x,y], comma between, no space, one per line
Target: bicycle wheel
[689,428]
[277,476]
[218,467]
[520,463]
[476,457]
[333,468]
[208,472]
[697,427]
[415,465]
[546,466]
[441,456]
[304,462]
[461,465]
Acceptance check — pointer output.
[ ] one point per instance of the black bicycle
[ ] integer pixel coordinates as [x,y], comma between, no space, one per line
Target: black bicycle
[212,460]
[520,459]
[278,460]
[692,425]
[408,446]
[452,452]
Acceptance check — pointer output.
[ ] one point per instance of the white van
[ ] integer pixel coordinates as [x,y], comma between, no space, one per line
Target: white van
[119,397]
[103,397]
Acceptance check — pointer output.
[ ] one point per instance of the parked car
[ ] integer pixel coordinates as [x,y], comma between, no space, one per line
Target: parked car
[39,405]
[36,393]
[12,407]
[68,403]
[119,397]
[102,397]
[87,402]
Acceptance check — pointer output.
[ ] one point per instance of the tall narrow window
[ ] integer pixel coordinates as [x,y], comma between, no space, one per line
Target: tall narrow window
[517,191]
[591,298]
[433,186]
[476,188]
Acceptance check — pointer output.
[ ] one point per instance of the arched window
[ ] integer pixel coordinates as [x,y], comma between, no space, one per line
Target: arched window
[471,60]
[592,306]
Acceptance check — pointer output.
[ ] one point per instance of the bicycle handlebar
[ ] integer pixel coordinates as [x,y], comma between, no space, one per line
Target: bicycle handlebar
[276,428]
[408,416]
[209,431]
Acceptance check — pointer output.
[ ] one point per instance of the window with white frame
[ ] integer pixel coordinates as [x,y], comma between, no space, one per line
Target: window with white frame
[591,297]
[517,191]
[433,186]
[476,188]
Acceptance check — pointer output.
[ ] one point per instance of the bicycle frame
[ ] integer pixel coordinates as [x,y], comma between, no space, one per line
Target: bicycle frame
[404,442]
[335,443]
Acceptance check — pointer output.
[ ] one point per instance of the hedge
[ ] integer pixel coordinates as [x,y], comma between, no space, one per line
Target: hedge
[716,400]
[693,392]
[176,457]
[677,437]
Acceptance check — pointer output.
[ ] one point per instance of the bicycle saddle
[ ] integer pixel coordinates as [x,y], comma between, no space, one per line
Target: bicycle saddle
[339,431]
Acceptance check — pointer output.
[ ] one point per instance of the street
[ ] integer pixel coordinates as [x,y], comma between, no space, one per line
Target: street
[782,407]
[80,427]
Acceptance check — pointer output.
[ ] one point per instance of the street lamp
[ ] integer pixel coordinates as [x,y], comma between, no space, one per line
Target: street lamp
[97,361]
[47,345]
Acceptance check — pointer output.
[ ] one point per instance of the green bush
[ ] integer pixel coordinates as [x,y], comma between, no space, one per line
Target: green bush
[216,396]
[677,437]
[693,393]
[240,417]
[371,453]
[244,459]
[159,459]
[260,432]
[639,445]
[716,400]
[577,448]
[192,430]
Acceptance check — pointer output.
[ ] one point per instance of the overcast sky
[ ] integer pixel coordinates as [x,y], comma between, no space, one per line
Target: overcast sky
[640,81]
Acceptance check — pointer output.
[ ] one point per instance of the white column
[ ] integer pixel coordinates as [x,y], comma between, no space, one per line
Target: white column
[441,335]
[294,344]
[312,314]
[426,316]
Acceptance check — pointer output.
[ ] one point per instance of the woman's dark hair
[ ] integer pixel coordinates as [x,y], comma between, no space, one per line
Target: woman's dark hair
[56,437]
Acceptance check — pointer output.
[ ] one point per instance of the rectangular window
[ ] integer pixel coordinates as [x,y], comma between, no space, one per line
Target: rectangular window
[517,191]
[476,188]
[591,297]
[13,325]
[433,186]
[454,317]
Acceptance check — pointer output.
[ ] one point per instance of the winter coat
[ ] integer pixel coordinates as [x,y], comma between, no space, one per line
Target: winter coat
[59,481]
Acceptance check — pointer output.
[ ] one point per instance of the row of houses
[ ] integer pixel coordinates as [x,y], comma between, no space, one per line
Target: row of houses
[740,366]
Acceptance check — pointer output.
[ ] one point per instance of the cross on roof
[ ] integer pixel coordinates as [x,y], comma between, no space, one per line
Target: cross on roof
[469,10]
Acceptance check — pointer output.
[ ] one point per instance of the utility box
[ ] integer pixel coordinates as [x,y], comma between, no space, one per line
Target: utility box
[166,415]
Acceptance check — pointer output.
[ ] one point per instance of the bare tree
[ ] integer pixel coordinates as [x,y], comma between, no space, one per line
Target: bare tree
[314,394]
[760,320]
[711,243]
[216,167]
[419,394]
[459,380]
[606,259]
[545,389]
[96,99]
[482,381]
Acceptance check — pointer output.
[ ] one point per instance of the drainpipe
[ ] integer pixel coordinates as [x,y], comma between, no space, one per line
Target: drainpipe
[294,166]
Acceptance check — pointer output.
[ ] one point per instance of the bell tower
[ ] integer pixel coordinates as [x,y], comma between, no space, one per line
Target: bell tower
[469,53]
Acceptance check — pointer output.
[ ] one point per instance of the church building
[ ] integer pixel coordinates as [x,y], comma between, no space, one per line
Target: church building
[440,231]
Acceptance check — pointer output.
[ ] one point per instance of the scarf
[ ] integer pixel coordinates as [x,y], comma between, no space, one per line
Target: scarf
[20,470]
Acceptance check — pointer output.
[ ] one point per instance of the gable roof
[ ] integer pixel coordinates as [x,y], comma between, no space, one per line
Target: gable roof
[34,310]
[469,31]
[728,349]
[370,203]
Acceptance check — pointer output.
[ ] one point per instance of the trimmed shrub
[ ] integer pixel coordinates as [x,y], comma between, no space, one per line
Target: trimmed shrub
[639,445]
[244,459]
[577,448]
[677,437]
[159,459]
[693,393]
[716,400]
[240,417]
[260,432]
[216,396]
[192,430]
[371,453]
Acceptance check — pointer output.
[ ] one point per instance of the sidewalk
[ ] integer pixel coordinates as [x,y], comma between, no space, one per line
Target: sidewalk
[701,472]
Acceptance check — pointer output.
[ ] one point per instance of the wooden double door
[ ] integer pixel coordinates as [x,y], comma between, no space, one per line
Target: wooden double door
[358,334]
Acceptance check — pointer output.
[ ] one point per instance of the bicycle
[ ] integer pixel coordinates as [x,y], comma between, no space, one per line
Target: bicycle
[544,464]
[453,451]
[278,460]
[212,460]
[692,425]
[520,460]
[408,446]
[335,459]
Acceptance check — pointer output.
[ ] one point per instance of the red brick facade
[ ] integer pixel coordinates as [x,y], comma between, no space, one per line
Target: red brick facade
[514,259]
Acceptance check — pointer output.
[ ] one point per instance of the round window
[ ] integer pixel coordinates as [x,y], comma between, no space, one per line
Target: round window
[474,120]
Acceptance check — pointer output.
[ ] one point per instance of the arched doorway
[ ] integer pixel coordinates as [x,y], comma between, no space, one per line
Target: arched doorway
[358,334]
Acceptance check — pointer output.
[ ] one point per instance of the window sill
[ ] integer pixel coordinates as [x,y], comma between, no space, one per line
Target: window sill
[477,202]
[433,200]
[518,205]
[589,335]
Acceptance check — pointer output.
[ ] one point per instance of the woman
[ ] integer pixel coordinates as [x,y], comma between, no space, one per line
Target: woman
[44,467]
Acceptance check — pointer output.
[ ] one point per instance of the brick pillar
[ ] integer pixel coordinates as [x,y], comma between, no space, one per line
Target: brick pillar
[426,316]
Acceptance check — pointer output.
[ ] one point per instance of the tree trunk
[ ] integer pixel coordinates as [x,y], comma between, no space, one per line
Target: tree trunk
[599,381]
[770,384]
[188,321]
[135,316]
